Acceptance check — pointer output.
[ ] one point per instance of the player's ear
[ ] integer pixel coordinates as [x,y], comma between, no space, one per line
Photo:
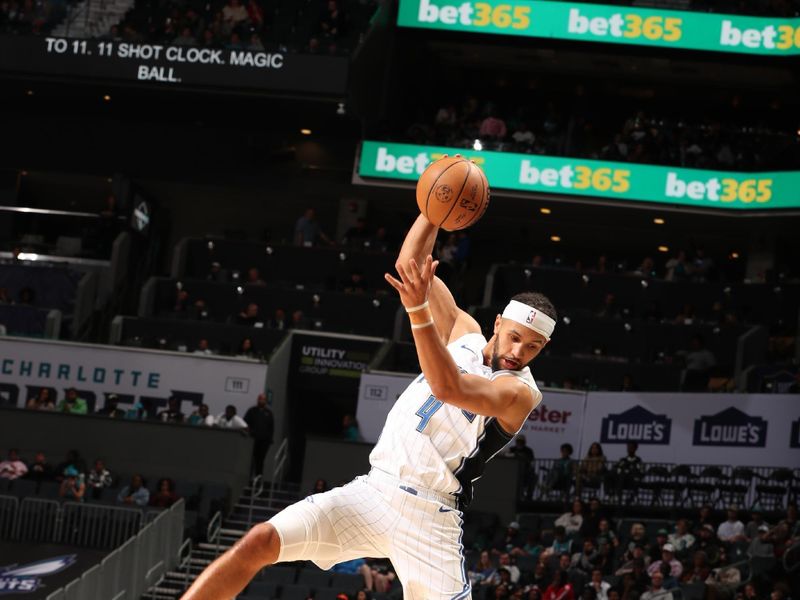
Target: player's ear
[497,322]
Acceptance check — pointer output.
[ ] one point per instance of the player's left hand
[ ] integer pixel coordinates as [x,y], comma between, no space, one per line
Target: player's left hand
[415,282]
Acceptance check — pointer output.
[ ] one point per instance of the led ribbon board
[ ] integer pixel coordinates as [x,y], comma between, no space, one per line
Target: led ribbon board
[607,24]
[583,177]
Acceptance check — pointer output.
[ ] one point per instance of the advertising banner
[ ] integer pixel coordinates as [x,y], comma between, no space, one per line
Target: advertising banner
[720,429]
[583,177]
[135,375]
[557,420]
[330,363]
[163,64]
[608,24]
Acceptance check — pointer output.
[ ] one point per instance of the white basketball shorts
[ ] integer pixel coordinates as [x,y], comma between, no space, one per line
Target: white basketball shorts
[378,516]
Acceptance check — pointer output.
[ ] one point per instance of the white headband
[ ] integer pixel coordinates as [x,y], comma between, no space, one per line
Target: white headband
[529,317]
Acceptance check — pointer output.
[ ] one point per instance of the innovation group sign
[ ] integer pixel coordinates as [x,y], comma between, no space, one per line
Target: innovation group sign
[607,24]
[583,177]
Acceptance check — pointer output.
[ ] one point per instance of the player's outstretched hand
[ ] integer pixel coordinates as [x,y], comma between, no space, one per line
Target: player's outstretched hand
[415,282]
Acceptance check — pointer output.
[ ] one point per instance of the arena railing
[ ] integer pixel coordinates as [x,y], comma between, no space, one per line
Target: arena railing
[9,506]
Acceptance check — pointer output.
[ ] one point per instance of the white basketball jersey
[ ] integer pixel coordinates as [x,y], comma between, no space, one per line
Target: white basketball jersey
[437,446]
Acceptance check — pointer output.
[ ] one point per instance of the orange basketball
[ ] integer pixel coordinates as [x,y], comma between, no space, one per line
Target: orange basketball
[453,193]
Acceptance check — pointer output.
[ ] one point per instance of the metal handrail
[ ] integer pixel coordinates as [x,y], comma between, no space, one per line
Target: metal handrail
[256,489]
[184,564]
[281,455]
[213,531]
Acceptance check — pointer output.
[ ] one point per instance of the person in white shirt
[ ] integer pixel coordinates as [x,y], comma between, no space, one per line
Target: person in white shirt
[572,521]
[12,467]
[682,540]
[657,591]
[230,420]
[731,530]
[599,586]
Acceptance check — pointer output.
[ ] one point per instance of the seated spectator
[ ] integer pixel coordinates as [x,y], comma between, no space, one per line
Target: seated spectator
[355,283]
[203,348]
[230,420]
[111,408]
[560,475]
[731,530]
[723,581]
[633,562]
[748,592]
[99,479]
[250,316]
[507,540]
[350,430]
[592,468]
[572,521]
[699,362]
[708,543]
[507,563]
[560,589]
[134,493]
[561,543]
[654,551]
[40,470]
[201,417]
[668,557]
[73,487]
[73,459]
[482,572]
[247,349]
[656,590]
[357,235]
[699,571]
[278,320]
[42,401]
[599,586]
[307,231]
[171,414]
[681,539]
[585,562]
[73,404]
[751,530]
[234,13]
[165,496]
[704,516]
[607,540]
[254,277]
[13,467]
[761,546]
[378,576]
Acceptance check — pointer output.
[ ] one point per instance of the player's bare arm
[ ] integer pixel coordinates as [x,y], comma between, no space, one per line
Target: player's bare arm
[505,398]
[451,322]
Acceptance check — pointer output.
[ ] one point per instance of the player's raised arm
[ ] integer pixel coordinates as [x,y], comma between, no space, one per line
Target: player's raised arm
[451,321]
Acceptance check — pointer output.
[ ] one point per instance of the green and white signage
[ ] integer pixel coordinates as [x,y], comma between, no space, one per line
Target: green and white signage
[600,179]
[610,24]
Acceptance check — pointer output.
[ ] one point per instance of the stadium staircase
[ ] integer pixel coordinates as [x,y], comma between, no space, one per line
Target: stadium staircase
[258,502]
[92,18]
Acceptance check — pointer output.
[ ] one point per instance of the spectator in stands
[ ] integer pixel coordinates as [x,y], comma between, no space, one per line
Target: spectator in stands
[255,15]
[761,546]
[201,417]
[655,550]
[585,562]
[278,320]
[699,362]
[572,521]
[704,516]
[592,468]
[540,579]
[560,475]
[111,408]
[299,320]
[181,302]
[780,592]
[247,349]
[250,316]
[600,587]
[230,420]
[590,527]
[748,592]
[40,470]
[261,422]
[13,467]
[379,242]
[186,38]
[656,590]
[667,557]
[723,581]
[560,589]
[350,430]
[677,268]
[234,14]
[165,496]
[134,492]
[255,45]
[73,459]
[681,539]
[42,401]
[492,128]
[73,488]
[507,563]
[507,540]
[561,543]
[73,404]
[254,277]
[637,538]
[99,479]
[171,414]
[203,348]
[751,530]
[483,571]
[607,540]
[357,235]
[199,310]
[707,542]
[628,472]
[215,272]
[527,472]
[731,530]
[699,571]
[307,231]
[355,283]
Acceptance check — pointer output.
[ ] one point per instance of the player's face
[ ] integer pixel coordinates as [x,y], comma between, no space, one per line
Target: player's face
[514,345]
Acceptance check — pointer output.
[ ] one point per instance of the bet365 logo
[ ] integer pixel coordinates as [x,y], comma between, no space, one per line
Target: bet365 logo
[475,14]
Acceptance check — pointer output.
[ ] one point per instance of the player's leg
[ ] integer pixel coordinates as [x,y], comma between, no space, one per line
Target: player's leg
[231,572]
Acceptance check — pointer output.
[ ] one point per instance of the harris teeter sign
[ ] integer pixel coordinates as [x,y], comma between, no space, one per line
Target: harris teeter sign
[583,177]
[607,24]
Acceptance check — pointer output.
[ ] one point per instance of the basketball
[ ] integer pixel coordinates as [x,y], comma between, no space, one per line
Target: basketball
[453,193]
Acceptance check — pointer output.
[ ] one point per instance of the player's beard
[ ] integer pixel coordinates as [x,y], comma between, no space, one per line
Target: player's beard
[495,357]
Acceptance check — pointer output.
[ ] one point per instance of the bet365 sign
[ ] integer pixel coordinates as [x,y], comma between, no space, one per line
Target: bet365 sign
[607,24]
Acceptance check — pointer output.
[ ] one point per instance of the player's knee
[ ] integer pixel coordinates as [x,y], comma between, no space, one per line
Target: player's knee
[260,546]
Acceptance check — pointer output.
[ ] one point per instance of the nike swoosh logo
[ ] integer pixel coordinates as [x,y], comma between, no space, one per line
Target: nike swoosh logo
[443,509]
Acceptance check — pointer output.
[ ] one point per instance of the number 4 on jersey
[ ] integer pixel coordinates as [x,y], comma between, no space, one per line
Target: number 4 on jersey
[429,407]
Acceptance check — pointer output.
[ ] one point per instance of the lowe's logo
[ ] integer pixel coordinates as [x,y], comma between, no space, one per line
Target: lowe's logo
[731,427]
[636,424]
[21,579]
[794,441]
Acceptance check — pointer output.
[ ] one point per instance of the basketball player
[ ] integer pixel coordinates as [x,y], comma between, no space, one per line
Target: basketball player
[472,397]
